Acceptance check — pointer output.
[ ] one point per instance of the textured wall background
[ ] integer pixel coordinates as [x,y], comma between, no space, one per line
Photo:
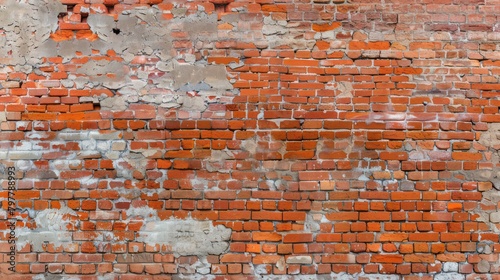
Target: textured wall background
[221,139]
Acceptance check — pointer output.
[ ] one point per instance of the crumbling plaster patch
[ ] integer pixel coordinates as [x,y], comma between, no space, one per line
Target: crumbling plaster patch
[139,32]
[282,33]
[177,80]
[185,237]
[27,26]
[51,227]
[112,75]
[490,140]
[143,31]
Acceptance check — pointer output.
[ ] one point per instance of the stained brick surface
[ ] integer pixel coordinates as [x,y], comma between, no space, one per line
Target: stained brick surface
[326,138]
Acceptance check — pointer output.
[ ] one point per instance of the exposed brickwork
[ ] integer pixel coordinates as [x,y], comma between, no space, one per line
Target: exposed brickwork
[319,139]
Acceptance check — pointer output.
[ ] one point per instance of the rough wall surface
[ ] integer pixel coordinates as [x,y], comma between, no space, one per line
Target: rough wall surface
[221,139]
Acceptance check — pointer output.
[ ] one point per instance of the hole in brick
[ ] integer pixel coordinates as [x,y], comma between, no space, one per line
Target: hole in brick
[220,7]
[116,31]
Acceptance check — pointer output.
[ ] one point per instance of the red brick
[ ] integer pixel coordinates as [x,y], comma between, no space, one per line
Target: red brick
[466,156]
[393,156]
[326,26]
[339,258]
[263,259]
[398,237]
[266,236]
[235,258]
[342,216]
[386,259]
[267,215]
[374,216]
[234,215]
[424,237]
[406,195]
[297,238]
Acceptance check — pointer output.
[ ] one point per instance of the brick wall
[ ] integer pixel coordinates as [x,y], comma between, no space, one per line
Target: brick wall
[222,139]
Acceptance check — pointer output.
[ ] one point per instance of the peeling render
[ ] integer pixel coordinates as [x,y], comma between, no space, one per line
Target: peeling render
[112,75]
[51,227]
[144,32]
[488,211]
[187,237]
[27,26]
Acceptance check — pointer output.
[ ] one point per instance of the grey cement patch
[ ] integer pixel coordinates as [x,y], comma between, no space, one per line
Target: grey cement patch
[345,89]
[213,75]
[130,161]
[112,75]
[27,26]
[51,227]
[486,175]
[491,140]
[143,31]
[483,266]
[450,267]
[490,217]
[195,103]
[115,103]
[449,276]
[491,137]
[68,49]
[312,222]
[299,260]
[282,33]
[187,237]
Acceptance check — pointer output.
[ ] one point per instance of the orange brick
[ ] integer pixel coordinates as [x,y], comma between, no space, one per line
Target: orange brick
[297,238]
[326,26]
[386,258]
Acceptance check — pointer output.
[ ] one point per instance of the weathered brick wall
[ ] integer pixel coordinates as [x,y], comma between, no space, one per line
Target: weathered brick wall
[223,139]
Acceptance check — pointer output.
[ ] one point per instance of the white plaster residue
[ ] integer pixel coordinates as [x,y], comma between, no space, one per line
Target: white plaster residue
[186,237]
[51,227]
[449,276]
[145,212]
